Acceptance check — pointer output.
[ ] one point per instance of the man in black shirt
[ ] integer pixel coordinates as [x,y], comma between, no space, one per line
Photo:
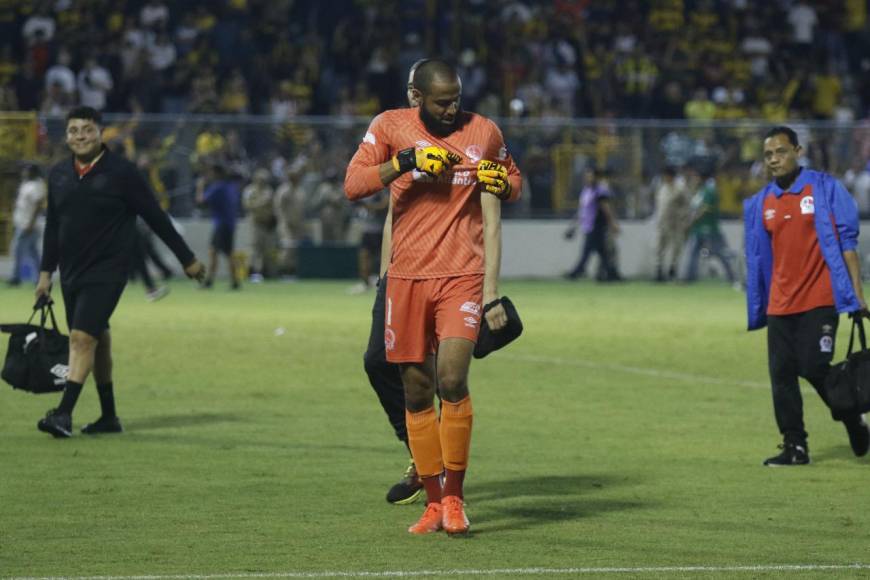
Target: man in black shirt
[90,234]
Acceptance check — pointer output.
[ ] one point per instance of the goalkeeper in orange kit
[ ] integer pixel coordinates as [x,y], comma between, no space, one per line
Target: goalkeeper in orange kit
[444,266]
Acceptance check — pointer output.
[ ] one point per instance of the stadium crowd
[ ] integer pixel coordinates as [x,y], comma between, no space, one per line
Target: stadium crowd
[673,59]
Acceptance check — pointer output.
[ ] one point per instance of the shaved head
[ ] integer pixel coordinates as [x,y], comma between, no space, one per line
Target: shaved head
[431,70]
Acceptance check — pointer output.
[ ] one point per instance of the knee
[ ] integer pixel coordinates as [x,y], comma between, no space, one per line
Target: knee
[82,341]
[418,396]
[452,387]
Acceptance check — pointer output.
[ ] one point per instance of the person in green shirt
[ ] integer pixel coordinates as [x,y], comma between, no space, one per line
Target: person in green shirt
[704,232]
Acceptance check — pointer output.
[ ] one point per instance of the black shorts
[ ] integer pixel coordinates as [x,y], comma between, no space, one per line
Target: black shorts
[222,238]
[89,307]
[371,241]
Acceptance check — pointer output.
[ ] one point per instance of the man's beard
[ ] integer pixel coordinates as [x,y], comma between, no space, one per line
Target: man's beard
[789,178]
[435,126]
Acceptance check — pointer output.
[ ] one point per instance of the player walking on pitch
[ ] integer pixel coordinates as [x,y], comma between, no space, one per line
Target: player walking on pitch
[447,170]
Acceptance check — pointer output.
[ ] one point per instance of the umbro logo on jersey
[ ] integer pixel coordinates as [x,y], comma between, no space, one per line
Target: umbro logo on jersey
[471,308]
[769,214]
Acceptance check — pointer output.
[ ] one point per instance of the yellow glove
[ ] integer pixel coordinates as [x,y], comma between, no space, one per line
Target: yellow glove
[430,160]
[494,178]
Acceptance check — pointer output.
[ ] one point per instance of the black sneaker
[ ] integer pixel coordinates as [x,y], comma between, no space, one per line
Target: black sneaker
[408,490]
[56,423]
[103,425]
[792,454]
[859,437]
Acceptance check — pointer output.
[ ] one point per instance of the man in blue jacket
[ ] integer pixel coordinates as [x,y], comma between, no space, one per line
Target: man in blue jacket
[802,271]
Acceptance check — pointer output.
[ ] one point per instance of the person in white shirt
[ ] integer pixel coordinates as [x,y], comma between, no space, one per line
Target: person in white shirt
[94,83]
[25,241]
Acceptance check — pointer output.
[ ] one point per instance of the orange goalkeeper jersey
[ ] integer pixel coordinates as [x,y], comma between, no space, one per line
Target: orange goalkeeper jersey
[437,222]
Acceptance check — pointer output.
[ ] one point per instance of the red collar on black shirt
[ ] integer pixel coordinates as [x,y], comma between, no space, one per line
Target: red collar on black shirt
[83,169]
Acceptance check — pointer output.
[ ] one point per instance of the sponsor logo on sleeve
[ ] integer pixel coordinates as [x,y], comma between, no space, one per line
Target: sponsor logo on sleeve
[370,138]
[502,153]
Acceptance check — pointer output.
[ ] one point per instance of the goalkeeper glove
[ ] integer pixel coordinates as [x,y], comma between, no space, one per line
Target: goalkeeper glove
[494,178]
[430,160]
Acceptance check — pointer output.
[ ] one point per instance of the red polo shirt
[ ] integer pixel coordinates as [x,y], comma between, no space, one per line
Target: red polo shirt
[801,280]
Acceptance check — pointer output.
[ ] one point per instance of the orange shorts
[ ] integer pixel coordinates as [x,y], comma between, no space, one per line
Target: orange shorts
[422,313]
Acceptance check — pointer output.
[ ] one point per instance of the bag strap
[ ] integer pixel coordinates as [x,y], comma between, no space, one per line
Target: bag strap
[862,337]
[46,313]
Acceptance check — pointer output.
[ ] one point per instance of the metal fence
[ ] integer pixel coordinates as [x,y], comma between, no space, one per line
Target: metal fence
[552,154]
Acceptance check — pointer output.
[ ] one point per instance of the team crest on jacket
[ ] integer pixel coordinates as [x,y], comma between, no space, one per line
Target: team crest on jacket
[807,205]
[826,344]
[474,153]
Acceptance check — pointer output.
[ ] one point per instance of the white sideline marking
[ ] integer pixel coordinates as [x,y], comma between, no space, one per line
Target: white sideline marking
[473,572]
[646,371]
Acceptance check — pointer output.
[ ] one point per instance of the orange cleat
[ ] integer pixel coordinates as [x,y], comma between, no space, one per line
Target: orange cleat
[453,519]
[430,521]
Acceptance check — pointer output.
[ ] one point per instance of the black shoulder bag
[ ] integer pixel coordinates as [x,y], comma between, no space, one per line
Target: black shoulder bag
[847,386]
[37,359]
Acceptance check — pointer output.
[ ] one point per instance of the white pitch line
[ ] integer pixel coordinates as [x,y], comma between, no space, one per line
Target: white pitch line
[646,371]
[473,572]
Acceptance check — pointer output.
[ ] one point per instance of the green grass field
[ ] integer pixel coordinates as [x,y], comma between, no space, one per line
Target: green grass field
[621,436]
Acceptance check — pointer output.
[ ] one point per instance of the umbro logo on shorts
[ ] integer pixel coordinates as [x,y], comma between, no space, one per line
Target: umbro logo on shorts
[470,321]
[471,308]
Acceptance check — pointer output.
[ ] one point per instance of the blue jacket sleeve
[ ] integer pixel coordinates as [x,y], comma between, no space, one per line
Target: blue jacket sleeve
[756,278]
[845,211]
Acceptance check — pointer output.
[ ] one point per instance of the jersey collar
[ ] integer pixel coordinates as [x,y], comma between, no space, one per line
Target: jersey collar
[802,180]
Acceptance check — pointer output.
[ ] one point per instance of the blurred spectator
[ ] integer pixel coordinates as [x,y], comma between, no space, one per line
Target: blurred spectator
[154,15]
[161,53]
[258,199]
[705,236]
[61,74]
[56,101]
[234,96]
[671,219]
[221,194]
[39,25]
[331,208]
[596,219]
[290,212]
[94,83]
[27,235]
[803,20]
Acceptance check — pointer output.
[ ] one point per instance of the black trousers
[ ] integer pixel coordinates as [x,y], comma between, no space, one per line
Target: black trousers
[799,345]
[596,242]
[384,376]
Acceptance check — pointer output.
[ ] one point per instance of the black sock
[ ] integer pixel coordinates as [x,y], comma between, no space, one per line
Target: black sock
[107,399]
[71,394]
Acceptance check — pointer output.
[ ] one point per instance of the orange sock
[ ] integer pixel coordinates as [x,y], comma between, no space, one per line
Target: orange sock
[456,433]
[424,441]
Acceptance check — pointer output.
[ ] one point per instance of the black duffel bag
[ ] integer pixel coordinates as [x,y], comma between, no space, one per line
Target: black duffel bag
[847,386]
[37,359]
